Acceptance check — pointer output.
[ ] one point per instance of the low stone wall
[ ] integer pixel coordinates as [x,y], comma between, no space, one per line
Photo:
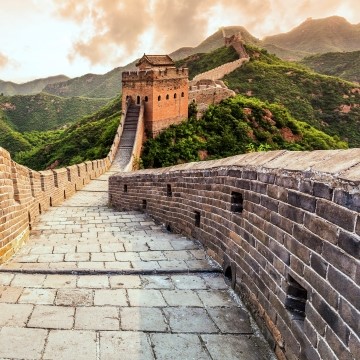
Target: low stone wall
[285,226]
[25,193]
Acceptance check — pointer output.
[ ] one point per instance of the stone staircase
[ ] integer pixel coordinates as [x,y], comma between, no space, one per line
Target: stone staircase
[128,137]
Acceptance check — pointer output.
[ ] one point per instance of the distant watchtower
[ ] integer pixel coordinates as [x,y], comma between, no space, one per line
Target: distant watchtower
[162,87]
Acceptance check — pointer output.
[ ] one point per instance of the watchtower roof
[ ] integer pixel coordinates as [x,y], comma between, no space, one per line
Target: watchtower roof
[156,60]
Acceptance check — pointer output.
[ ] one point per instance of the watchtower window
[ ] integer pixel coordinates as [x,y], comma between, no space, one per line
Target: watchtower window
[175,96]
[146,99]
[159,98]
[182,94]
[167,97]
[138,100]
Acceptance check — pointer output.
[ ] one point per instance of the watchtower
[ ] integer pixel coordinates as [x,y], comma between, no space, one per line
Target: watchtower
[162,87]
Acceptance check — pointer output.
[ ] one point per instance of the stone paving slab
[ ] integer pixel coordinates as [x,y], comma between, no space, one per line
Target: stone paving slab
[93,283]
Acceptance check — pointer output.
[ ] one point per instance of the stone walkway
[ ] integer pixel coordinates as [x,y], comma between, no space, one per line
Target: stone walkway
[93,283]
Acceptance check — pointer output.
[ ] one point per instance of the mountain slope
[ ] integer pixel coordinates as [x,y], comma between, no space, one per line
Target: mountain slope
[89,138]
[329,103]
[342,64]
[9,88]
[214,42]
[236,126]
[91,85]
[331,34]
[12,140]
[43,111]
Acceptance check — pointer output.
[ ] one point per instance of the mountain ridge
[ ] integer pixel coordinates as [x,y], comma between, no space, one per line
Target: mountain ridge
[293,45]
[9,88]
[314,36]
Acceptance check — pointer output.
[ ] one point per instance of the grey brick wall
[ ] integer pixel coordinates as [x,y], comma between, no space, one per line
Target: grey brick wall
[291,247]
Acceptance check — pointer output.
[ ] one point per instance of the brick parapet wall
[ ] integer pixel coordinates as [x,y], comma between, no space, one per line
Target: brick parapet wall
[25,193]
[222,70]
[285,225]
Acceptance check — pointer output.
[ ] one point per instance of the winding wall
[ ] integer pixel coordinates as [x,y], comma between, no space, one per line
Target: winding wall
[25,193]
[285,226]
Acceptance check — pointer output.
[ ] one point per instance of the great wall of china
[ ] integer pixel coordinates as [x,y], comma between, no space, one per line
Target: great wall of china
[284,226]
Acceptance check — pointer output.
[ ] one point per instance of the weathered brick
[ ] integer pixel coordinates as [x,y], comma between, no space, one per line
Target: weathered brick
[315,319]
[297,265]
[331,317]
[322,190]
[249,174]
[308,239]
[280,251]
[350,243]
[321,228]
[354,346]
[348,200]
[268,178]
[319,264]
[242,184]
[269,203]
[321,286]
[287,182]
[296,248]
[336,214]
[350,315]
[339,259]
[308,352]
[337,346]
[306,186]
[310,332]
[282,222]
[277,192]
[258,187]
[345,286]
[291,213]
[325,351]
[303,201]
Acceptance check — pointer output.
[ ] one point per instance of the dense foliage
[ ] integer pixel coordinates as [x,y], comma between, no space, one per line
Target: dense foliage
[342,64]
[328,103]
[88,139]
[12,140]
[43,112]
[236,126]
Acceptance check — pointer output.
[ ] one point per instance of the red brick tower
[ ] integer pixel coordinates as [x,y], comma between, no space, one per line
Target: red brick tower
[162,87]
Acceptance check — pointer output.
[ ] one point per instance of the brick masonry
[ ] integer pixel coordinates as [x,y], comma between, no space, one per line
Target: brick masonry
[25,193]
[284,225]
[164,93]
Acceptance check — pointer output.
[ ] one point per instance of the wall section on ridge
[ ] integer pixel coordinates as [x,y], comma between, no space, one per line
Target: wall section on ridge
[284,225]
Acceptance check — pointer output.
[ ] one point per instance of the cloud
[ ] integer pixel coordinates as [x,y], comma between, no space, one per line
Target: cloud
[115,29]
[115,26]
[4,61]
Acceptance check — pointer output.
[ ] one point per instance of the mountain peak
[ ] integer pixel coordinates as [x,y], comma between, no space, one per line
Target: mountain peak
[331,34]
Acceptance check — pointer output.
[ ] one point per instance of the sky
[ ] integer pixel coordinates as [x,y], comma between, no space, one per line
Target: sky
[41,38]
